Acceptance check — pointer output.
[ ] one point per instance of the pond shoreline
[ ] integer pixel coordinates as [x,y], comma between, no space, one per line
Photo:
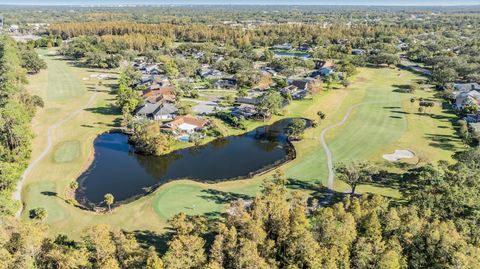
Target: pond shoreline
[287,147]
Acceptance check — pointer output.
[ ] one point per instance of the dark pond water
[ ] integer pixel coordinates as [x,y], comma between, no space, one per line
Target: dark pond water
[116,169]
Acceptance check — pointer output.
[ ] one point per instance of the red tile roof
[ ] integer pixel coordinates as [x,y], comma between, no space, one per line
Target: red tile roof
[200,123]
[166,90]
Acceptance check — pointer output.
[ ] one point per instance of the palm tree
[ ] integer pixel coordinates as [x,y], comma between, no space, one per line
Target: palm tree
[39,214]
[73,187]
[321,116]
[109,200]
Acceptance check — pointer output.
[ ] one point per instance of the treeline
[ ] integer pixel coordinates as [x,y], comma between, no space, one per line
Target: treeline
[436,227]
[263,35]
[214,14]
[17,108]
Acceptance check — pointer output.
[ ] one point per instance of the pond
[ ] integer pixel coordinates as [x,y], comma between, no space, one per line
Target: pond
[118,170]
[292,54]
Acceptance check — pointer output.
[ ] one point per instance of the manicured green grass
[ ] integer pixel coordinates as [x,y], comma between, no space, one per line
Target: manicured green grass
[372,130]
[72,148]
[67,151]
[66,86]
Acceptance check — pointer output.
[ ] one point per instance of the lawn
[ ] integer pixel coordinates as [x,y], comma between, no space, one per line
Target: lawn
[385,122]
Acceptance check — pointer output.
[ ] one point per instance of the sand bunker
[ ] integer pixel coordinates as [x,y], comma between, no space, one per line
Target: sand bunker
[103,76]
[398,155]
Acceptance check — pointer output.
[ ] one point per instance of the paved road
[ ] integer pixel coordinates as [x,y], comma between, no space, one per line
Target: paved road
[17,195]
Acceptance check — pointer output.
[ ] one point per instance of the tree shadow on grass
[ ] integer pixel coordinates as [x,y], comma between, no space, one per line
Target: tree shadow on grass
[147,238]
[445,142]
[318,192]
[222,197]
[49,193]
[105,110]
[117,123]
[392,107]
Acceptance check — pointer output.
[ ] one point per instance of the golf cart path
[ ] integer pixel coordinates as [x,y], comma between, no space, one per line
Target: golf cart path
[328,152]
[17,195]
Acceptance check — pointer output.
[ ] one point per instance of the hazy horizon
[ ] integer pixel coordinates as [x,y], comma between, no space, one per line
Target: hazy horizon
[244,2]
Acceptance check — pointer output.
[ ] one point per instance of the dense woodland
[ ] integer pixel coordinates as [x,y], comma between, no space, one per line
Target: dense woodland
[17,107]
[448,44]
[436,225]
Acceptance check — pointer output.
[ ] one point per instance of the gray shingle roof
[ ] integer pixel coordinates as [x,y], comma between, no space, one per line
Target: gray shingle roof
[159,108]
[465,87]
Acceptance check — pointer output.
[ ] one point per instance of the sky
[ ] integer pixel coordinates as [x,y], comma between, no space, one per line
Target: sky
[245,2]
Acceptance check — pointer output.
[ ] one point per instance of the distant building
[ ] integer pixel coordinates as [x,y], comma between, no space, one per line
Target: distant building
[247,100]
[14,28]
[284,46]
[210,73]
[225,84]
[466,87]
[358,52]
[244,110]
[464,99]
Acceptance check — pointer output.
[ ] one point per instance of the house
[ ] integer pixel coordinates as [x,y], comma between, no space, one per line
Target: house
[210,73]
[247,100]
[186,125]
[218,58]
[299,88]
[402,46]
[157,111]
[244,110]
[472,118]
[139,63]
[152,69]
[295,92]
[284,46]
[155,89]
[14,28]
[463,99]
[321,64]
[148,80]
[145,80]
[304,47]
[225,84]
[198,55]
[466,87]
[157,93]
[475,126]
[358,52]
[325,71]
[162,80]
[270,71]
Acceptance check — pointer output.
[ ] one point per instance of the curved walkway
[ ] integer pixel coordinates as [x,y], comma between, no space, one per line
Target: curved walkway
[17,195]
[331,172]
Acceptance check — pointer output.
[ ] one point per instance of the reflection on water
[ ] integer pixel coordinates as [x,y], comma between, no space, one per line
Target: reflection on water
[118,170]
[291,54]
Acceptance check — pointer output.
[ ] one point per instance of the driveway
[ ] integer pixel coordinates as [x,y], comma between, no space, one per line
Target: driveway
[204,107]
[413,66]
